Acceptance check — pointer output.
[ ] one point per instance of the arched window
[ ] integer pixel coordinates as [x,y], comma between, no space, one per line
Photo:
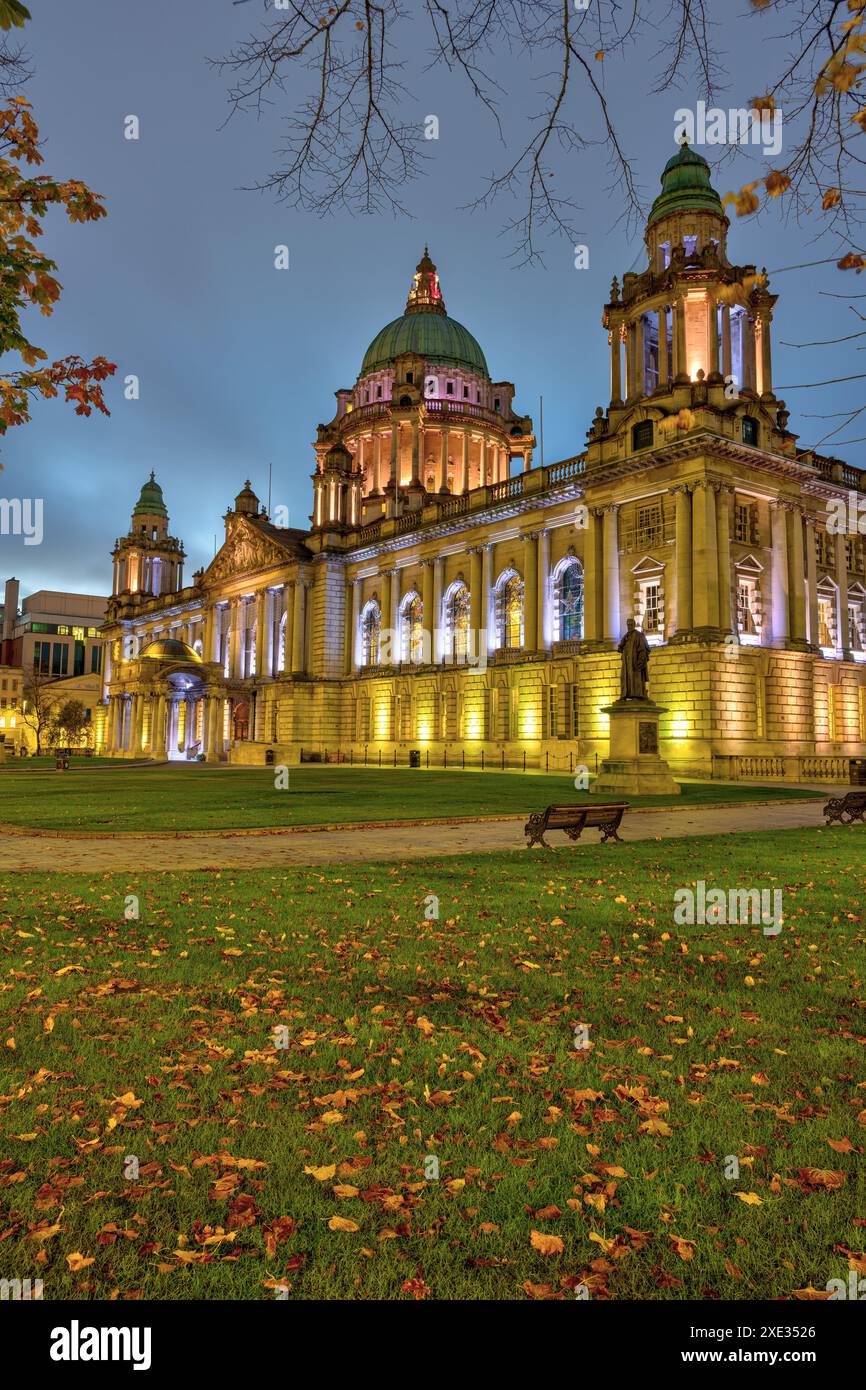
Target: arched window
[281,645]
[197,646]
[457,620]
[568,600]
[371,621]
[411,628]
[509,610]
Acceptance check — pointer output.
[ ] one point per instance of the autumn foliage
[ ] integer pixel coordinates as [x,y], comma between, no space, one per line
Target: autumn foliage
[28,278]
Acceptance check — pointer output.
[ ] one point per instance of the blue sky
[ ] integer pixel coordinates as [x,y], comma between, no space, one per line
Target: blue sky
[238,362]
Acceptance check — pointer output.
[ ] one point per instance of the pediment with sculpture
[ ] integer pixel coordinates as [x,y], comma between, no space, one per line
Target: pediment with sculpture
[245,551]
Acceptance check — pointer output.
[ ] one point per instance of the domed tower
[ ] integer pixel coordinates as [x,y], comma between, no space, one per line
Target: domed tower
[148,560]
[691,318]
[424,418]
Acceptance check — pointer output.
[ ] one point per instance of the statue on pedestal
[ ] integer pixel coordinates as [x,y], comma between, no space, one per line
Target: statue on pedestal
[634,649]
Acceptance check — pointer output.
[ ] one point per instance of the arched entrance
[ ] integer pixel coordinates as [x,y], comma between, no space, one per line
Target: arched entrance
[241,721]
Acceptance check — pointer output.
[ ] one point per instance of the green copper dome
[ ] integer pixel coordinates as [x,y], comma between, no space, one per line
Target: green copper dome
[150,502]
[425,329]
[439,339]
[686,187]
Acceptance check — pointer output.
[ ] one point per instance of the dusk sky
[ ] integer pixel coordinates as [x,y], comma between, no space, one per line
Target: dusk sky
[238,362]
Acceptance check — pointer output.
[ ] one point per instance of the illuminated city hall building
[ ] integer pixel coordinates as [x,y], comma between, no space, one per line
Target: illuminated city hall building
[452,596]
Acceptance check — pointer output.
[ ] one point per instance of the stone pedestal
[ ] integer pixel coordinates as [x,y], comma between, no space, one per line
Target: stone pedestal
[633,766]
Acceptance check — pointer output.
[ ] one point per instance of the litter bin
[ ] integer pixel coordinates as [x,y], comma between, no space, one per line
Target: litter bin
[414,757]
[857,772]
[269,757]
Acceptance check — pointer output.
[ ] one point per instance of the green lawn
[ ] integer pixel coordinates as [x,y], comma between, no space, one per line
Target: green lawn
[452,1038]
[194,797]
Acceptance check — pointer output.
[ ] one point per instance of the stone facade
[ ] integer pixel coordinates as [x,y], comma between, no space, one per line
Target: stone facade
[447,601]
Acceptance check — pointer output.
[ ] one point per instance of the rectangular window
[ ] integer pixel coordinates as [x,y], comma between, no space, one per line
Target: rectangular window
[466,392]
[746,603]
[55,659]
[449,388]
[741,523]
[78,667]
[575,711]
[651,607]
[95,663]
[825,622]
[551,712]
[648,525]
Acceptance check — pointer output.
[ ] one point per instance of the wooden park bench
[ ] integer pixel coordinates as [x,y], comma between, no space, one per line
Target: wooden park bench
[575,819]
[847,808]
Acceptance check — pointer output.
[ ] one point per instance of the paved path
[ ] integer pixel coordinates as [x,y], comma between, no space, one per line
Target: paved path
[155,852]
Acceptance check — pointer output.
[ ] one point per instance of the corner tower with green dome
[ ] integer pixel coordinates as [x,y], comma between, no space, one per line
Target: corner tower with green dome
[423,418]
[148,561]
[691,321]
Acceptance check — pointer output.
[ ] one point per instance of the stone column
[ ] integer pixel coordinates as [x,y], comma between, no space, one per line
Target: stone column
[639,387]
[712,337]
[135,726]
[796,575]
[751,371]
[464,461]
[395,455]
[416,446]
[610,570]
[705,563]
[678,310]
[475,583]
[766,356]
[727,359]
[590,578]
[530,592]
[544,635]
[842,596]
[427,614]
[289,639]
[723,539]
[615,364]
[781,627]
[443,460]
[488,614]
[261,633]
[394,614]
[298,627]
[811,582]
[234,638]
[157,732]
[684,557]
[438,644]
[662,333]
[353,617]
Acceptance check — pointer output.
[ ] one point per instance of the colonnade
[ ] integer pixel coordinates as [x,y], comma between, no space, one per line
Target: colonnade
[436,453]
[691,334]
[160,723]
